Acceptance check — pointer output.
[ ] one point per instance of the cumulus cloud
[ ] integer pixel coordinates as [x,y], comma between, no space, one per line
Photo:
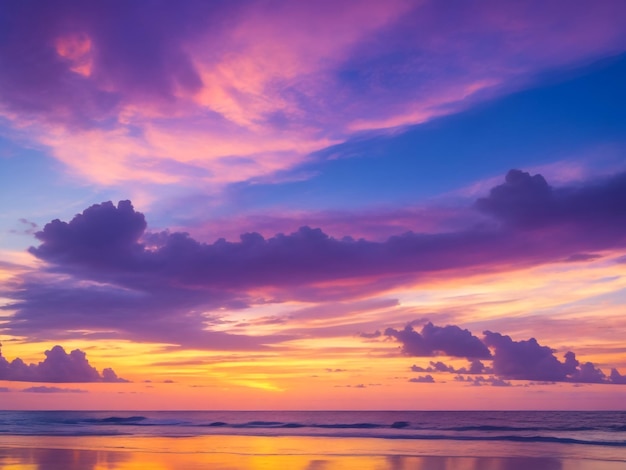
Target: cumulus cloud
[617,378]
[528,360]
[522,199]
[480,381]
[434,340]
[57,367]
[527,201]
[102,236]
[511,360]
[104,272]
[474,367]
[109,239]
[423,379]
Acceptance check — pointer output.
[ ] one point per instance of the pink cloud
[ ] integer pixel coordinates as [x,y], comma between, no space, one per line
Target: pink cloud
[223,93]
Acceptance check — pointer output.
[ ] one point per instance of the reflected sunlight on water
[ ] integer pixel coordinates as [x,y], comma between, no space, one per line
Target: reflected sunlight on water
[269,453]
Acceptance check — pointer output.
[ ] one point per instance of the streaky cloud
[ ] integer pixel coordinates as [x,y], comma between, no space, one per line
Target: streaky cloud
[44,389]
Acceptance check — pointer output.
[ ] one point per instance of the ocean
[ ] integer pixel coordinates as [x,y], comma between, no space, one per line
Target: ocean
[335,437]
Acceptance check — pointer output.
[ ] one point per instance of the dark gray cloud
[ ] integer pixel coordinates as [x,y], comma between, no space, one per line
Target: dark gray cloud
[57,367]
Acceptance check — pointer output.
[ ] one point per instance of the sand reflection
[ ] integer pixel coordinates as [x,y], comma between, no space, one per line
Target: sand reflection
[254,453]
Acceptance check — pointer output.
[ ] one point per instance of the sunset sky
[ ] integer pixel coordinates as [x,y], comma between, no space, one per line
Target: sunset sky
[399,204]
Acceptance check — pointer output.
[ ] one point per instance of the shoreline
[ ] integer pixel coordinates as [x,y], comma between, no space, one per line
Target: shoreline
[230,452]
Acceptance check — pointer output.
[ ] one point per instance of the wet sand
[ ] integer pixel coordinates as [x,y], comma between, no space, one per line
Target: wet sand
[294,453]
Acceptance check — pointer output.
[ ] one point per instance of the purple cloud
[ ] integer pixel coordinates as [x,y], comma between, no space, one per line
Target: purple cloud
[110,243]
[103,235]
[121,281]
[475,367]
[57,367]
[423,379]
[582,257]
[480,381]
[44,389]
[434,340]
[78,62]
[231,91]
[617,378]
[512,360]
[528,202]
[528,360]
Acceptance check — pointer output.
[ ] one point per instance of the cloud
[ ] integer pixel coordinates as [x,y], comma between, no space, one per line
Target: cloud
[4,389]
[44,389]
[235,91]
[57,367]
[434,340]
[582,257]
[423,379]
[617,378]
[475,367]
[104,272]
[102,235]
[375,334]
[108,241]
[523,199]
[511,360]
[527,201]
[528,360]
[480,381]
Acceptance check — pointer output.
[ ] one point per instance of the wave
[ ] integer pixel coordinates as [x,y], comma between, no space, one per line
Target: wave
[117,420]
[398,425]
[602,434]
[525,428]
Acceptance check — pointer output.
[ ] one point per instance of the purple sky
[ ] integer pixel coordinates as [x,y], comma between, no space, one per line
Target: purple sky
[245,195]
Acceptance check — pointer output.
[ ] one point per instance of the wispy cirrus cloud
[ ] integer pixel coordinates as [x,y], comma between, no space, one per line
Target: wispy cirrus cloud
[232,91]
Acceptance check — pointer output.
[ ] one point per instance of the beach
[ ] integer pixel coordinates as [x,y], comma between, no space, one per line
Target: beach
[302,453]
[308,440]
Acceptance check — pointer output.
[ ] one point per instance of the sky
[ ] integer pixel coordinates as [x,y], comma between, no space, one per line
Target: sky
[272,204]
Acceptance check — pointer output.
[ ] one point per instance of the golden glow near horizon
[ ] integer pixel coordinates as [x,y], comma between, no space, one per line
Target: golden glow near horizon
[343,369]
[235,206]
